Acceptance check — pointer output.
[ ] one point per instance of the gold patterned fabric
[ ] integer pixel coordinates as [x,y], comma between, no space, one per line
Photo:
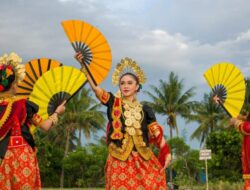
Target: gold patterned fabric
[19,169]
[246,176]
[128,143]
[247,185]
[134,173]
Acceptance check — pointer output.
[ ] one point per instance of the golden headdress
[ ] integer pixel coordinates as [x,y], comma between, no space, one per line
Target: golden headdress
[10,70]
[127,65]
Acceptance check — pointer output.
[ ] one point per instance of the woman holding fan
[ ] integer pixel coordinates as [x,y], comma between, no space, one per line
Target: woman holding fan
[242,124]
[18,163]
[131,163]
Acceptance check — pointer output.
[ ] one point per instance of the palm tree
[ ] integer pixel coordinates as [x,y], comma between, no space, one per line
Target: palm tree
[246,106]
[56,136]
[169,100]
[209,116]
[81,114]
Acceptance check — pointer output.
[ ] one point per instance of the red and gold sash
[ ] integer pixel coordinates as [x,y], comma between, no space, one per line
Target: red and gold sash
[6,116]
[117,124]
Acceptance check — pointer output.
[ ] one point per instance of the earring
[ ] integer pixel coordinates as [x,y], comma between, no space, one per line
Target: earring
[134,96]
[118,94]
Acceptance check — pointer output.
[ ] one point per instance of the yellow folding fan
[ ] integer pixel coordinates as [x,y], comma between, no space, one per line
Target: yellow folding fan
[55,86]
[93,45]
[227,82]
[35,69]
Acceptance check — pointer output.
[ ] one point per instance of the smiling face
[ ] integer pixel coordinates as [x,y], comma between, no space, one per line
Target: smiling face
[128,86]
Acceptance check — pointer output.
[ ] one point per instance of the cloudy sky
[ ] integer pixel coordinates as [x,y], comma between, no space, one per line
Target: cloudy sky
[184,36]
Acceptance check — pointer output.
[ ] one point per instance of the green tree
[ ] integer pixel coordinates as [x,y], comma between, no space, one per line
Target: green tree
[226,155]
[209,117]
[246,106]
[57,135]
[186,161]
[84,167]
[169,100]
[50,162]
[50,152]
[81,114]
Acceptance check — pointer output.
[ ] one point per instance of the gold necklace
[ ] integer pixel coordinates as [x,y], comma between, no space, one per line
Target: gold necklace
[133,116]
[7,111]
[7,98]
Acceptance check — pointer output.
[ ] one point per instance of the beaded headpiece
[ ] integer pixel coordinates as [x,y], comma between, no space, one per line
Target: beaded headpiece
[127,65]
[10,70]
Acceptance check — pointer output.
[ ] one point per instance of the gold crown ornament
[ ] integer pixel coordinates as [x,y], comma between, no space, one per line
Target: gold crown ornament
[11,63]
[127,65]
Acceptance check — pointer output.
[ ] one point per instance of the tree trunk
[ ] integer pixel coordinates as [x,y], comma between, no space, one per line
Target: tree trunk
[62,178]
[176,128]
[79,144]
[171,132]
[171,169]
[68,131]
[188,172]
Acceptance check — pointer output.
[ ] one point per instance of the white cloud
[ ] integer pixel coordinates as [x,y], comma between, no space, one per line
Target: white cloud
[186,37]
[244,36]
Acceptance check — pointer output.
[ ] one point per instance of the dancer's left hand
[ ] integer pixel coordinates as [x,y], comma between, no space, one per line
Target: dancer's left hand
[216,99]
[61,108]
[233,121]
[167,162]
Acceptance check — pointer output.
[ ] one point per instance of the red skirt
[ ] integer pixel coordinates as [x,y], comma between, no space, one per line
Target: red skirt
[247,185]
[19,169]
[135,173]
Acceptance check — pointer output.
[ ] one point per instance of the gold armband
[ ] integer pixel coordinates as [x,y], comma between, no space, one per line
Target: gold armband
[246,176]
[103,96]
[237,124]
[54,118]
[153,128]
[37,119]
[241,129]
[84,70]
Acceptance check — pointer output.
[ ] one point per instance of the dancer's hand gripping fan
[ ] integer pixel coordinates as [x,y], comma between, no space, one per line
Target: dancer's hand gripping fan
[227,82]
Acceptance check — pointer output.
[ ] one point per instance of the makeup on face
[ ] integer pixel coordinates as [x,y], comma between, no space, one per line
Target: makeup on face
[128,85]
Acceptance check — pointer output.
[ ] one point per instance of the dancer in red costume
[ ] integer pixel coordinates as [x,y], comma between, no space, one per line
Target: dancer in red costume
[18,163]
[131,163]
[242,124]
